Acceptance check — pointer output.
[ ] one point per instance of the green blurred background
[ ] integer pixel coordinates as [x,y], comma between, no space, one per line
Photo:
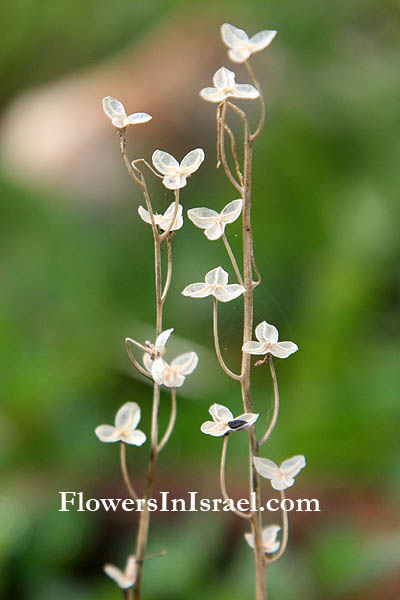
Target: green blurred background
[76,278]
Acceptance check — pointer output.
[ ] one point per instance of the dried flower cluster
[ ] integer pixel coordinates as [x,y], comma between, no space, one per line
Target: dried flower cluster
[268,543]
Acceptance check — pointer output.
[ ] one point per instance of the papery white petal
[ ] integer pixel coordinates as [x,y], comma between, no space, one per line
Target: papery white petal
[215,231]
[147,361]
[145,215]
[250,418]
[137,118]
[262,39]
[185,363]
[239,55]
[217,276]
[165,220]
[197,290]
[118,576]
[292,466]
[135,437]
[220,413]
[229,292]
[257,348]
[283,349]
[131,567]
[232,36]
[232,211]
[157,370]
[119,121]
[202,217]
[164,162]
[245,91]
[113,107]
[249,537]
[192,161]
[224,79]
[174,182]
[213,94]
[215,429]
[266,468]
[176,380]
[266,333]
[270,543]
[128,416]
[107,433]
[282,483]
[162,339]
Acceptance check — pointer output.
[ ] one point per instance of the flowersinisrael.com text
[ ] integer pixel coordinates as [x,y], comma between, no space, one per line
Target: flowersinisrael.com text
[192,503]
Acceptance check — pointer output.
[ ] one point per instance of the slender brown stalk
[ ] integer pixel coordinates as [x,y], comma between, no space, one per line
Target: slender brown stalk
[243,515]
[216,343]
[260,100]
[233,259]
[221,147]
[276,403]
[285,534]
[169,269]
[160,295]
[259,557]
[133,360]
[171,423]
[234,152]
[125,474]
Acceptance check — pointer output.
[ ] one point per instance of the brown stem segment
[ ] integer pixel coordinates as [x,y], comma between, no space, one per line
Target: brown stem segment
[276,403]
[254,484]
[171,423]
[243,515]
[216,343]
[125,473]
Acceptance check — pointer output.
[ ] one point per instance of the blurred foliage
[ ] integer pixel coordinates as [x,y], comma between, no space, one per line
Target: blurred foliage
[327,244]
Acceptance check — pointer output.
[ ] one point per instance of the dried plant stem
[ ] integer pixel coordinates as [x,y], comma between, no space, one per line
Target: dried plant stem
[234,152]
[243,515]
[259,557]
[216,343]
[125,474]
[285,534]
[221,111]
[160,294]
[169,269]
[127,594]
[260,99]
[171,422]
[233,259]
[133,360]
[276,403]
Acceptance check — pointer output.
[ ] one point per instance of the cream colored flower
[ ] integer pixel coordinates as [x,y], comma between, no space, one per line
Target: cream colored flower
[164,221]
[216,284]
[214,223]
[124,579]
[224,421]
[176,174]
[226,87]
[269,537]
[115,111]
[239,44]
[173,375]
[281,477]
[268,336]
[156,350]
[126,421]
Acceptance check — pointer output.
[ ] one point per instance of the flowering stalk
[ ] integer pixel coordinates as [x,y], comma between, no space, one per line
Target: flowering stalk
[155,368]
[263,541]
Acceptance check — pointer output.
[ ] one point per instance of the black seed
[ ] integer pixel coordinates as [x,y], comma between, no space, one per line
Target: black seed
[237,423]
